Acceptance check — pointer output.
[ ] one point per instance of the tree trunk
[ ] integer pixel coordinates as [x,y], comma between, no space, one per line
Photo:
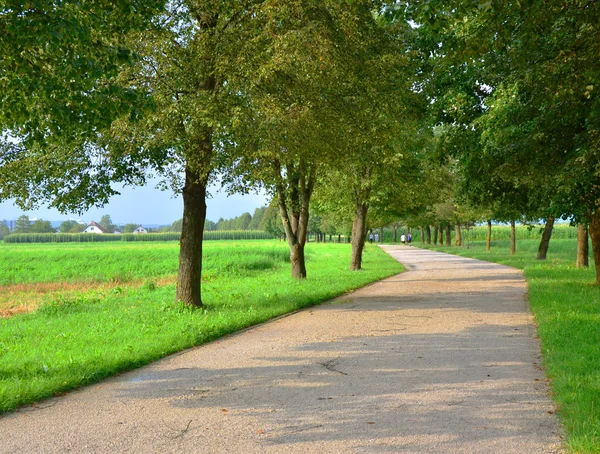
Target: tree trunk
[583,247]
[435,235]
[298,190]
[545,241]
[422,235]
[457,234]
[595,234]
[192,228]
[297,260]
[488,240]
[513,238]
[428,234]
[359,233]
[394,233]
[448,236]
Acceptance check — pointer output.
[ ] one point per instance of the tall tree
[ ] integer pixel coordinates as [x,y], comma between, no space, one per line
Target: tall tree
[107,224]
[22,224]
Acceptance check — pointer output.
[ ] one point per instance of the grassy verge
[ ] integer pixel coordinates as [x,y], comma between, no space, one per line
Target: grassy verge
[77,340]
[566,306]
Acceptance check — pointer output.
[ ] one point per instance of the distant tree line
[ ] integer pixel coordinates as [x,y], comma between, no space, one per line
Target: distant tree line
[264,218]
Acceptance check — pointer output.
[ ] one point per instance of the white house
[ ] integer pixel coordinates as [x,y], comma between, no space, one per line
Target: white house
[94,228]
[140,229]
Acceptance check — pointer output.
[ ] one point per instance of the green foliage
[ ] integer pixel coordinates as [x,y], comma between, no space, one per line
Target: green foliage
[565,305]
[78,340]
[60,61]
[22,224]
[71,227]
[107,224]
[4,230]
[41,226]
[129,228]
[240,222]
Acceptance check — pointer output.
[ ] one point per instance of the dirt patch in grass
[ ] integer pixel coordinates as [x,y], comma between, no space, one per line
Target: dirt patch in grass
[21,298]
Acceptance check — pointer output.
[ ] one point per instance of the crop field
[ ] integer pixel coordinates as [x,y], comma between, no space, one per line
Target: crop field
[75,313]
[566,305]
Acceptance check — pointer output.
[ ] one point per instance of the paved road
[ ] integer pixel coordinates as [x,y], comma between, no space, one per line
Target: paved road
[440,359]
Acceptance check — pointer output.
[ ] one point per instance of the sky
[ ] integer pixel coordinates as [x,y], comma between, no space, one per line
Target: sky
[147,206]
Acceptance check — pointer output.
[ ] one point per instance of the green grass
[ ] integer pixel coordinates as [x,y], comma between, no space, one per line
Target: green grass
[78,340]
[85,262]
[566,305]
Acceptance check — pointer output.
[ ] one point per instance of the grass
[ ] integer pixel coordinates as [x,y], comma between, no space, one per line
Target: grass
[566,305]
[78,339]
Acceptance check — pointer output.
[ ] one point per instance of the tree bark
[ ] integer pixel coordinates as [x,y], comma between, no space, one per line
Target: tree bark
[297,260]
[448,236]
[583,248]
[595,235]
[545,241]
[457,234]
[435,235]
[422,235]
[359,232]
[299,188]
[488,240]
[394,233]
[192,228]
[513,238]
[428,234]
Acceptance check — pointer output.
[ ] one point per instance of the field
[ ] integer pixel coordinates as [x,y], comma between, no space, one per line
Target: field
[77,313]
[566,305]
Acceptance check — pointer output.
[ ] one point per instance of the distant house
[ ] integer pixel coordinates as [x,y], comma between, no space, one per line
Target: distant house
[140,229]
[94,228]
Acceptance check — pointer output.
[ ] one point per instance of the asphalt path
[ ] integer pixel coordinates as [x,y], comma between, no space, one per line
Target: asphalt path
[440,359]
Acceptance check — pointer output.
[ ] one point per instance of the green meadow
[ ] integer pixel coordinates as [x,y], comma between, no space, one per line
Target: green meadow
[566,305]
[80,337]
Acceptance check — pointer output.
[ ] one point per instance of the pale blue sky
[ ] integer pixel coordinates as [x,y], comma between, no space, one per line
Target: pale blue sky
[147,205]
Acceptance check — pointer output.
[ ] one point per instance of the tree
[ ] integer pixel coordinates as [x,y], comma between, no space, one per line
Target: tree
[166,111]
[298,75]
[128,228]
[41,226]
[271,221]
[4,230]
[539,64]
[107,224]
[257,219]
[65,226]
[208,225]
[22,224]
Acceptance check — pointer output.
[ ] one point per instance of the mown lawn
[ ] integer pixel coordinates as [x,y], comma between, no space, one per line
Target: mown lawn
[566,305]
[80,338]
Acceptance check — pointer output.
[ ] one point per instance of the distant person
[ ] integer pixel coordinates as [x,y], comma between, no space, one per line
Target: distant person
[409,238]
[370,238]
[377,237]
[403,239]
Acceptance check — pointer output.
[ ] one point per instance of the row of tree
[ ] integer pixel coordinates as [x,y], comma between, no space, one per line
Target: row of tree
[361,111]
[245,221]
[290,96]
[24,225]
[513,93]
